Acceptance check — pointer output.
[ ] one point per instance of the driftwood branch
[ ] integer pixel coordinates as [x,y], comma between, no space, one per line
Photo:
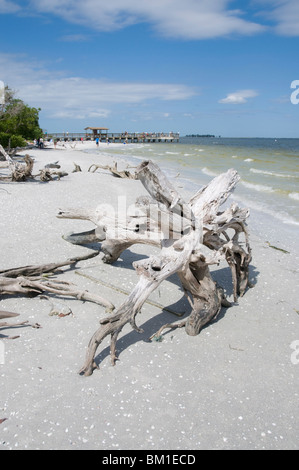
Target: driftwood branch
[6,156]
[4,314]
[192,236]
[113,169]
[27,281]
[77,168]
[37,270]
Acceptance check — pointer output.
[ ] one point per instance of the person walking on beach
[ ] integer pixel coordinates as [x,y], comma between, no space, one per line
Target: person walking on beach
[97,141]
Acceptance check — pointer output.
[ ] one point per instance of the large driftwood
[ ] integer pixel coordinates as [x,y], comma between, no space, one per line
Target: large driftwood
[192,236]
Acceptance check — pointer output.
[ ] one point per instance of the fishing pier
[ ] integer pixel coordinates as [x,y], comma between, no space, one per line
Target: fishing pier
[101,133]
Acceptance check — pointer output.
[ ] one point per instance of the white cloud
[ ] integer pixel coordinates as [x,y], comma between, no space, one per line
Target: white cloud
[286,14]
[282,14]
[238,97]
[7,6]
[72,90]
[79,114]
[188,19]
[62,96]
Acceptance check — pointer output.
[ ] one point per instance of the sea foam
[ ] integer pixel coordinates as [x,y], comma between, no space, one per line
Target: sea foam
[207,171]
[294,196]
[272,173]
[258,187]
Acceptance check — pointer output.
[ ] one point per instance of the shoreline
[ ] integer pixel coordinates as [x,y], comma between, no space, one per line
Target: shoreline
[234,386]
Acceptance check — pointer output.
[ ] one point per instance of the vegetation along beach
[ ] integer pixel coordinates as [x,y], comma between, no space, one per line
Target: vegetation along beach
[149,170]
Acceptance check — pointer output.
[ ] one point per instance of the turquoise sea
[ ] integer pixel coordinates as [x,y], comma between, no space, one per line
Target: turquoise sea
[268,168]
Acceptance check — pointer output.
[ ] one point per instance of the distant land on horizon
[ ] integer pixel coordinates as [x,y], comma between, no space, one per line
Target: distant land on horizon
[200,135]
[234,137]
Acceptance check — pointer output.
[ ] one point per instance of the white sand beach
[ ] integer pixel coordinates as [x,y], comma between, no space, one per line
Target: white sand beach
[234,386]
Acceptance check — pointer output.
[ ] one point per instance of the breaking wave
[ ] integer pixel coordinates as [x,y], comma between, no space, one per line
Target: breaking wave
[258,187]
[272,173]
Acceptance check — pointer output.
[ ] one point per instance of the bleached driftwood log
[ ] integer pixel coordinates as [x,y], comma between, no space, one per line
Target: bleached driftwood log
[192,236]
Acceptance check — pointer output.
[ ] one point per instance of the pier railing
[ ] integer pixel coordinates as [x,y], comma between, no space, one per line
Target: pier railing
[143,137]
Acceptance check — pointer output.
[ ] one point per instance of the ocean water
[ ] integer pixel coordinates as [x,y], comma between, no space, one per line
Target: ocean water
[268,169]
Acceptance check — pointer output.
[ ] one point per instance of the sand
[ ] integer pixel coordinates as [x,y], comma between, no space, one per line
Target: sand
[234,386]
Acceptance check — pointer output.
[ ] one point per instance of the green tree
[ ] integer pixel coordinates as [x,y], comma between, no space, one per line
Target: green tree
[18,119]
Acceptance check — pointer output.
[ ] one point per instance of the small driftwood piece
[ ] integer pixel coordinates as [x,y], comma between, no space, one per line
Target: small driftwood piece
[4,314]
[47,174]
[113,169]
[28,281]
[53,165]
[192,236]
[77,168]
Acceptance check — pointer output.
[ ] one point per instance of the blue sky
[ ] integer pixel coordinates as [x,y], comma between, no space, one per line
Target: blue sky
[194,66]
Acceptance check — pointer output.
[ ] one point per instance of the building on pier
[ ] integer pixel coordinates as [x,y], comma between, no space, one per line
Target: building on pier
[100,132]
